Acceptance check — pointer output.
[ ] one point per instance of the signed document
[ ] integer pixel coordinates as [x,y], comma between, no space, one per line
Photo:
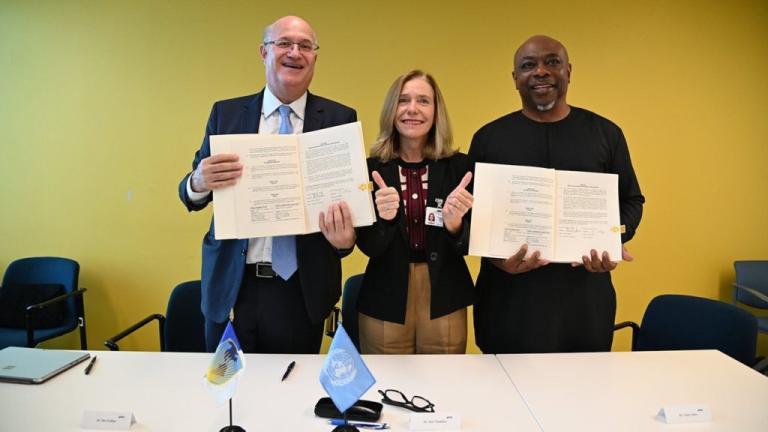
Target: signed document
[289,179]
[562,214]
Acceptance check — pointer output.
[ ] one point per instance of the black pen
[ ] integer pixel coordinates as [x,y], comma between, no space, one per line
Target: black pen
[90,365]
[288,371]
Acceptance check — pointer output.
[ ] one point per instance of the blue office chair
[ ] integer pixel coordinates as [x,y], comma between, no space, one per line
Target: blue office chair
[751,288]
[680,322]
[349,297]
[40,301]
[182,329]
[349,307]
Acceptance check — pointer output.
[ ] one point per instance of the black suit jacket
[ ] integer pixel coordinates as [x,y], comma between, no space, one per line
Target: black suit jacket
[319,264]
[384,289]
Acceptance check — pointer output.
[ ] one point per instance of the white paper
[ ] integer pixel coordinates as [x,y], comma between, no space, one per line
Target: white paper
[514,205]
[561,214]
[289,179]
[685,414]
[587,212]
[267,199]
[334,167]
[435,422]
[107,420]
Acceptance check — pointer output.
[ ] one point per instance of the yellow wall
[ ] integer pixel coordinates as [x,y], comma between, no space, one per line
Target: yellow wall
[102,105]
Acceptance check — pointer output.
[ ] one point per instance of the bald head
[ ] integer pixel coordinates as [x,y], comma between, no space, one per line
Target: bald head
[287,21]
[537,41]
[542,74]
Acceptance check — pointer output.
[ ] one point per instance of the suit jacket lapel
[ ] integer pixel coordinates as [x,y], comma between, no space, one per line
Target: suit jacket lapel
[436,173]
[252,114]
[390,174]
[313,114]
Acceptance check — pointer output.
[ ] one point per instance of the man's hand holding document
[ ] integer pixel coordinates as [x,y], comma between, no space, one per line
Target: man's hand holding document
[288,180]
[562,214]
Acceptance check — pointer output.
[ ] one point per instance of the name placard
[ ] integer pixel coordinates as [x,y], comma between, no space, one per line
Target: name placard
[107,420]
[685,414]
[435,422]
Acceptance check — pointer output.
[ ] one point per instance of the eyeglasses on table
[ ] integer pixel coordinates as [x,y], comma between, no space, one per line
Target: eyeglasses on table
[397,398]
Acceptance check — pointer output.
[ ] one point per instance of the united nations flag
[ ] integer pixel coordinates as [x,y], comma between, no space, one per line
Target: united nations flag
[344,375]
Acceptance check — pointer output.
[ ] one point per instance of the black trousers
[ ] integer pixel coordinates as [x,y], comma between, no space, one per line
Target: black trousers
[270,317]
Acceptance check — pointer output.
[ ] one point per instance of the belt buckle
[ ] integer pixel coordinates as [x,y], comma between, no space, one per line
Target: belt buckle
[264,270]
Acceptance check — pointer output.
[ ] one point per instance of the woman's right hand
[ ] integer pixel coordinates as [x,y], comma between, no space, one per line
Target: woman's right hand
[387,198]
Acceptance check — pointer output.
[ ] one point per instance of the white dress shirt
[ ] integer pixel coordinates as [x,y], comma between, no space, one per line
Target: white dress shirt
[260,248]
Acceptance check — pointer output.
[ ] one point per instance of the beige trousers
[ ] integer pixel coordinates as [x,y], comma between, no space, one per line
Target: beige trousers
[419,335]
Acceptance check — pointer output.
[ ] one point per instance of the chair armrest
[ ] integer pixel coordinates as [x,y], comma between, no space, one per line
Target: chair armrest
[631,324]
[111,343]
[29,314]
[752,291]
[332,322]
[57,299]
[761,365]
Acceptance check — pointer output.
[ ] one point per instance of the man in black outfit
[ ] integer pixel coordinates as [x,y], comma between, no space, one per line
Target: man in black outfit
[529,305]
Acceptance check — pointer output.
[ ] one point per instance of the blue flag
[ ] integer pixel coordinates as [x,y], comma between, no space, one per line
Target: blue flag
[227,365]
[344,375]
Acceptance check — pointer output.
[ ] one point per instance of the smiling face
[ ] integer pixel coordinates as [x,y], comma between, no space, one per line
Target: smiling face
[542,74]
[415,113]
[288,70]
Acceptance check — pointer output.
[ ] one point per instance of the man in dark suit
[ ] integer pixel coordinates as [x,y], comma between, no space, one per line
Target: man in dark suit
[280,288]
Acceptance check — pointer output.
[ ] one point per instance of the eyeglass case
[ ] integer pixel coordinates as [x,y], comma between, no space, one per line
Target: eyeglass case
[362,410]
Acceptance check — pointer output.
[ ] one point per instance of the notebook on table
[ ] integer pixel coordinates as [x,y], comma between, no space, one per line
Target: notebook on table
[35,365]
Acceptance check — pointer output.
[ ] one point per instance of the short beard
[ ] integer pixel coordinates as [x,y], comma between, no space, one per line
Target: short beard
[546,107]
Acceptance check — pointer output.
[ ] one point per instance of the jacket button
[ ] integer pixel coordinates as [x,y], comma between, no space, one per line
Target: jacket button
[244,252]
[433,256]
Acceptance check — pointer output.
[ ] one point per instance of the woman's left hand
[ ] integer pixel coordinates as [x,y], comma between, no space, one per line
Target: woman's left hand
[457,205]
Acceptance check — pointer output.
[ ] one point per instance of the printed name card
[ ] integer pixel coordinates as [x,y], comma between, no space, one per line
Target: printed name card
[107,420]
[435,422]
[685,414]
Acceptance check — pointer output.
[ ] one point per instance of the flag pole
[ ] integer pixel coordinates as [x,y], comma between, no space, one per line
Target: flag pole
[231,427]
[346,427]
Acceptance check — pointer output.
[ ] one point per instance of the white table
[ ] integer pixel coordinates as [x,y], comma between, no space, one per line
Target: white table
[560,392]
[624,391]
[165,391]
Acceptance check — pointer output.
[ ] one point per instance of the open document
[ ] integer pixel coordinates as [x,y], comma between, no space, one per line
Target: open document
[289,179]
[562,214]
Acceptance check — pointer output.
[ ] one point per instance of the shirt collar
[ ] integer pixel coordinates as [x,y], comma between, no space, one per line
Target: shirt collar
[270,104]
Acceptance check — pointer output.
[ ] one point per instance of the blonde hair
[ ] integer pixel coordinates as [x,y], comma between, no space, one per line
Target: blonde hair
[440,138]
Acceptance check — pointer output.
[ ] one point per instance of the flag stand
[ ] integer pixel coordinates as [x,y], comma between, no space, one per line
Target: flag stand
[346,427]
[231,427]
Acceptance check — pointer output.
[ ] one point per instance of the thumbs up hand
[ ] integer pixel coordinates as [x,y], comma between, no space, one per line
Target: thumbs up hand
[457,205]
[387,198]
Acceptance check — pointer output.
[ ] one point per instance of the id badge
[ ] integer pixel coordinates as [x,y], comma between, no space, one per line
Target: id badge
[434,217]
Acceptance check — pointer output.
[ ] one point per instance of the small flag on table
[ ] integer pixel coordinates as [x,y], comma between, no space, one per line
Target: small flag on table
[344,375]
[226,367]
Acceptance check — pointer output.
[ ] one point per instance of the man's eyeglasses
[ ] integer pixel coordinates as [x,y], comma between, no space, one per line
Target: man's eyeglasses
[285,44]
[397,398]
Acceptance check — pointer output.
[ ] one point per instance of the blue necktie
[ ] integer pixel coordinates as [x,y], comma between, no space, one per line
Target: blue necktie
[284,247]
